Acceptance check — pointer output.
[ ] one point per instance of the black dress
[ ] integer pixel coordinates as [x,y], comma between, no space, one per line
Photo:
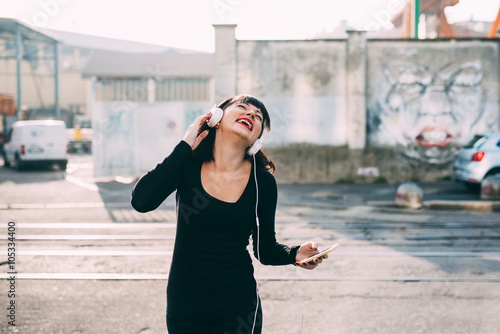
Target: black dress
[211,271]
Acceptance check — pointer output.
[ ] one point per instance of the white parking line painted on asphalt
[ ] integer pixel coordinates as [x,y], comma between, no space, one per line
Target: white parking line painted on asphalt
[85,276]
[42,206]
[38,206]
[93,187]
[93,225]
[385,239]
[80,165]
[385,279]
[82,184]
[92,237]
[113,276]
[92,253]
[418,254]
[171,237]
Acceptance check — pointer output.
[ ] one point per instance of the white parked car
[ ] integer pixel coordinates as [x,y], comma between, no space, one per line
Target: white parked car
[36,142]
[478,159]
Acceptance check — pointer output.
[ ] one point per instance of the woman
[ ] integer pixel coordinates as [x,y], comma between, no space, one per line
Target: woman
[220,188]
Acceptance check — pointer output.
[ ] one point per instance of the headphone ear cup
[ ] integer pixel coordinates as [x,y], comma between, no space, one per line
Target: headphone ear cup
[252,150]
[216,117]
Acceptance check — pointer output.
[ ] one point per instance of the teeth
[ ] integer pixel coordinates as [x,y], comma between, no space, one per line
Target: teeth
[435,136]
[247,123]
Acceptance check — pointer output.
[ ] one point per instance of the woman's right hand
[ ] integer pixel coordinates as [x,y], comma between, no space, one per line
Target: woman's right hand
[191,136]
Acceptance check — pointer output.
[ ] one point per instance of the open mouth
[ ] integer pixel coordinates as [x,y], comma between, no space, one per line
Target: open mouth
[432,136]
[245,122]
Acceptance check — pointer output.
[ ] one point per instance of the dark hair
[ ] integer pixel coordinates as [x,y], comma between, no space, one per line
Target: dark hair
[205,150]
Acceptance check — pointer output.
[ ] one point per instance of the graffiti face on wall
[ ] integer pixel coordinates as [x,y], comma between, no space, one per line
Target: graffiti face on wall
[428,114]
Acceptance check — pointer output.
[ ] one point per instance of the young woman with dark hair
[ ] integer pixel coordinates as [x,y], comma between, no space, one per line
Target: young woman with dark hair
[223,195]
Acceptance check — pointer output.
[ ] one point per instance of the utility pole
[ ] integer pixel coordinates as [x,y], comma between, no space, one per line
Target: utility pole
[19,58]
[416,17]
[56,80]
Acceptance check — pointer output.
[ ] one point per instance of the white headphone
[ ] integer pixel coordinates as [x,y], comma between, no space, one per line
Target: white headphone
[215,119]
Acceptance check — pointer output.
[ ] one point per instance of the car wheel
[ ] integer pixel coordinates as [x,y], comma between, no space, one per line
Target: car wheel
[6,162]
[493,172]
[62,165]
[19,163]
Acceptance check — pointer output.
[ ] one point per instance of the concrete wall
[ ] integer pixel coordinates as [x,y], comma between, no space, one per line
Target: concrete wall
[302,84]
[356,89]
[337,106]
[428,98]
[131,138]
[404,107]
[307,163]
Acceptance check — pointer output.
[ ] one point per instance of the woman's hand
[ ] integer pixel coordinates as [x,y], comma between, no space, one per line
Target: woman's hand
[191,136]
[309,249]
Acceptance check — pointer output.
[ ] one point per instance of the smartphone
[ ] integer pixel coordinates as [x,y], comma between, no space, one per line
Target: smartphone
[320,254]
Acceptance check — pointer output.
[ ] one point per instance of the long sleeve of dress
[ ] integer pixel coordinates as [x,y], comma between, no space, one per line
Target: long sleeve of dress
[157,184]
[270,252]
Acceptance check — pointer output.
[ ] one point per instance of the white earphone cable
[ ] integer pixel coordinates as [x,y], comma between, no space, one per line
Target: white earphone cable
[258,246]
[258,258]
[298,301]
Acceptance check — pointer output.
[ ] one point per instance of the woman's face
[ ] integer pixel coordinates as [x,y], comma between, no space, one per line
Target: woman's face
[244,120]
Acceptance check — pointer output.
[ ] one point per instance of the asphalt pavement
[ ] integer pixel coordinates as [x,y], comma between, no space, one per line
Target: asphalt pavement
[440,195]
[443,195]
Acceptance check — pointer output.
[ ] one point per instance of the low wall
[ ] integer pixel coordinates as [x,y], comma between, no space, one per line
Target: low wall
[304,163]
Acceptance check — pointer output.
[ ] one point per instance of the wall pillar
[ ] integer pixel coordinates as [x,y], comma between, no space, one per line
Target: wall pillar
[19,59]
[56,81]
[151,90]
[225,61]
[356,89]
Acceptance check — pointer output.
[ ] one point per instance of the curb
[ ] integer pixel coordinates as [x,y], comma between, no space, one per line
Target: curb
[463,205]
[444,205]
[392,206]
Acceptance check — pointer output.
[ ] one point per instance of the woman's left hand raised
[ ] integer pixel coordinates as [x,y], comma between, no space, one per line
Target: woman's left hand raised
[191,136]
[309,249]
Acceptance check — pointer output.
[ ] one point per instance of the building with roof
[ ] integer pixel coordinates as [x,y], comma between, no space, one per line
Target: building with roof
[92,42]
[75,76]
[141,105]
[26,53]
[37,73]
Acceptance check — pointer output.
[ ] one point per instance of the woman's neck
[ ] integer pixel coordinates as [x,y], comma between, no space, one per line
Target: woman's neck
[229,155]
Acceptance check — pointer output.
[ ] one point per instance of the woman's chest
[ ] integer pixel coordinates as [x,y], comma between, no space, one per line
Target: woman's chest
[225,189]
[224,205]
[225,186]
[203,214]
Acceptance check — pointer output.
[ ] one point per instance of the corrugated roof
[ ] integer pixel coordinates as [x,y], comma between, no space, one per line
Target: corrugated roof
[110,44]
[114,64]
[8,31]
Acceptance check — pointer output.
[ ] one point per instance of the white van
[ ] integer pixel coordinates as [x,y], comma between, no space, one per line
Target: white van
[36,142]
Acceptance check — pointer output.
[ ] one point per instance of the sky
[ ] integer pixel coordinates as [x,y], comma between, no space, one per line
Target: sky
[188,24]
